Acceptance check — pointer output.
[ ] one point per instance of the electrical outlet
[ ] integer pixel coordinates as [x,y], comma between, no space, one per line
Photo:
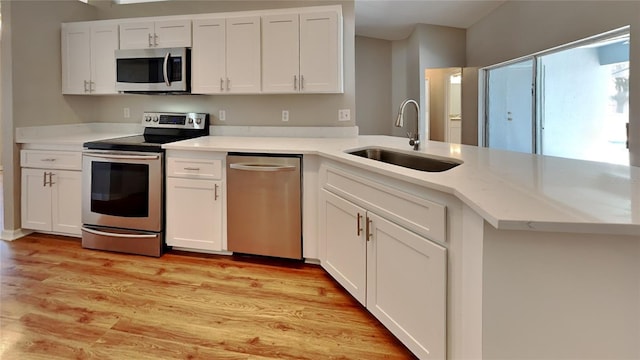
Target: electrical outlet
[222,115]
[285,115]
[344,115]
[127,113]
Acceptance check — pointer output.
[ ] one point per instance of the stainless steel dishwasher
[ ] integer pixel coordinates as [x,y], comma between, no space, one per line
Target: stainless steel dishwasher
[264,207]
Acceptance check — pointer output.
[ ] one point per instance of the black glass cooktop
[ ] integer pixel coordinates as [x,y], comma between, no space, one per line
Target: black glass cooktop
[141,143]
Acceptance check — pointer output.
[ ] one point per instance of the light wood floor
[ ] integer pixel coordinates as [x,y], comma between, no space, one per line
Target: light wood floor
[59,301]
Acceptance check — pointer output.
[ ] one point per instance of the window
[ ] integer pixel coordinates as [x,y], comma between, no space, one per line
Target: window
[569,102]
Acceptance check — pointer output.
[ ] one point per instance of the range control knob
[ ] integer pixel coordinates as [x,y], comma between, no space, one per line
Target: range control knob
[190,120]
[155,119]
[147,118]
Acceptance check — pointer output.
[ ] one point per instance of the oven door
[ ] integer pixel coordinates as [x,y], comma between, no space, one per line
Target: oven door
[122,189]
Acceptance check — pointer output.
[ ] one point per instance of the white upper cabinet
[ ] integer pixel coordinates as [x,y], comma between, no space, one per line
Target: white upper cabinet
[155,34]
[302,52]
[321,52]
[280,53]
[225,58]
[88,62]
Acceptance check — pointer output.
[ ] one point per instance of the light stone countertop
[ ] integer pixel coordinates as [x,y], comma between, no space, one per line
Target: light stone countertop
[511,191]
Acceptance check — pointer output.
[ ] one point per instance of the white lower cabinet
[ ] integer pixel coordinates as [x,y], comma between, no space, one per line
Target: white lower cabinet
[51,200]
[407,286]
[194,213]
[345,245]
[399,275]
[195,201]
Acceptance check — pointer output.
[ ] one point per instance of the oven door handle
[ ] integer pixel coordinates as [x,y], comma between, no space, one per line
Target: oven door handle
[137,236]
[123,157]
[261,167]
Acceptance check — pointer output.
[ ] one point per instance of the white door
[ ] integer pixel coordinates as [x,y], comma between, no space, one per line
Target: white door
[36,199]
[407,287]
[76,59]
[104,42]
[280,53]
[172,33]
[320,55]
[343,227]
[243,55]
[138,35]
[208,64]
[194,213]
[66,203]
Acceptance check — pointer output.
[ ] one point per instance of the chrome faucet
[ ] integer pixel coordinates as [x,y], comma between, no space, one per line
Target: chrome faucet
[414,138]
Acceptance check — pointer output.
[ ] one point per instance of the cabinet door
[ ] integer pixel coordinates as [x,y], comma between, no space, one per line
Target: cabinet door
[36,200]
[406,287]
[243,55]
[194,213]
[342,231]
[172,33]
[76,59]
[320,53]
[208,68]
[66,203]
[104,42]
[137,35]
[280,53]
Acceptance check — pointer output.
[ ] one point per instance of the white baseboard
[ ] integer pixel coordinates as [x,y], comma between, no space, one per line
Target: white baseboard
[10,235]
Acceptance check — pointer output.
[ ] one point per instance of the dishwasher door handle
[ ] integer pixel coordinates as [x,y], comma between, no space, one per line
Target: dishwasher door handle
[261,167]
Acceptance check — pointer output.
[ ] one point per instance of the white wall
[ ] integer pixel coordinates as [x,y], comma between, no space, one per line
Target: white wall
[519,28]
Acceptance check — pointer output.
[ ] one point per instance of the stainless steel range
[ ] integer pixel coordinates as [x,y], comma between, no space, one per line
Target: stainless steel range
[123,184]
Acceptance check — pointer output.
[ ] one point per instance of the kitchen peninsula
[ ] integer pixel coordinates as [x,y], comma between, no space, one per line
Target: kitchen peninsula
[541,254]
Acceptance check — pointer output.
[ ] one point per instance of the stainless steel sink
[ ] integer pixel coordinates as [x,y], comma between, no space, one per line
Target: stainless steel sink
[416,162]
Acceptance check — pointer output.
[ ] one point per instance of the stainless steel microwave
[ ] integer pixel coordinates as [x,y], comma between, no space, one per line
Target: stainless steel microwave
[153,70]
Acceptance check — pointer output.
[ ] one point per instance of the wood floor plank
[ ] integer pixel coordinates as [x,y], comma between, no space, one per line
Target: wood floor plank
[59,301]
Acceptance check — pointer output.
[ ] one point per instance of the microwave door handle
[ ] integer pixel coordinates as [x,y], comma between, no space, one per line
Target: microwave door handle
[165,69]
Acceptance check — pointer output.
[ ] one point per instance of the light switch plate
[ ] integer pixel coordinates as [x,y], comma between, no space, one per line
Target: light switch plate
[285,115]
[222,115]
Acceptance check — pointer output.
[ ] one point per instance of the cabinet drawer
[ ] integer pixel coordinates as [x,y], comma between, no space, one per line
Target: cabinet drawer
[420,215]
[194,168]
[65,160]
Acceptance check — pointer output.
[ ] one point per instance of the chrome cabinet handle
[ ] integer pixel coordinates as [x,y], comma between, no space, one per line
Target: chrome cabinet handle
[295,82]
[301,82]
[192,169]
[215,192]
[359,226]
[261,167]
[221,84]
[228,84]
[150,44]
[85,86]
[155,39]
[44,179]
[92,86]
[51,179]
[48,159]
[369,235]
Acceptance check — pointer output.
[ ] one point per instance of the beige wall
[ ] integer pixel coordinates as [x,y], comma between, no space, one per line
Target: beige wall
[373,86]
[519,28]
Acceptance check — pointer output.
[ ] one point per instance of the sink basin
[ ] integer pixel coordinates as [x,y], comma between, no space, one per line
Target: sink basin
[416,162]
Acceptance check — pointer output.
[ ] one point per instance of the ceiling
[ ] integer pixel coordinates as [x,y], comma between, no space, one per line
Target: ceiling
[395,19]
